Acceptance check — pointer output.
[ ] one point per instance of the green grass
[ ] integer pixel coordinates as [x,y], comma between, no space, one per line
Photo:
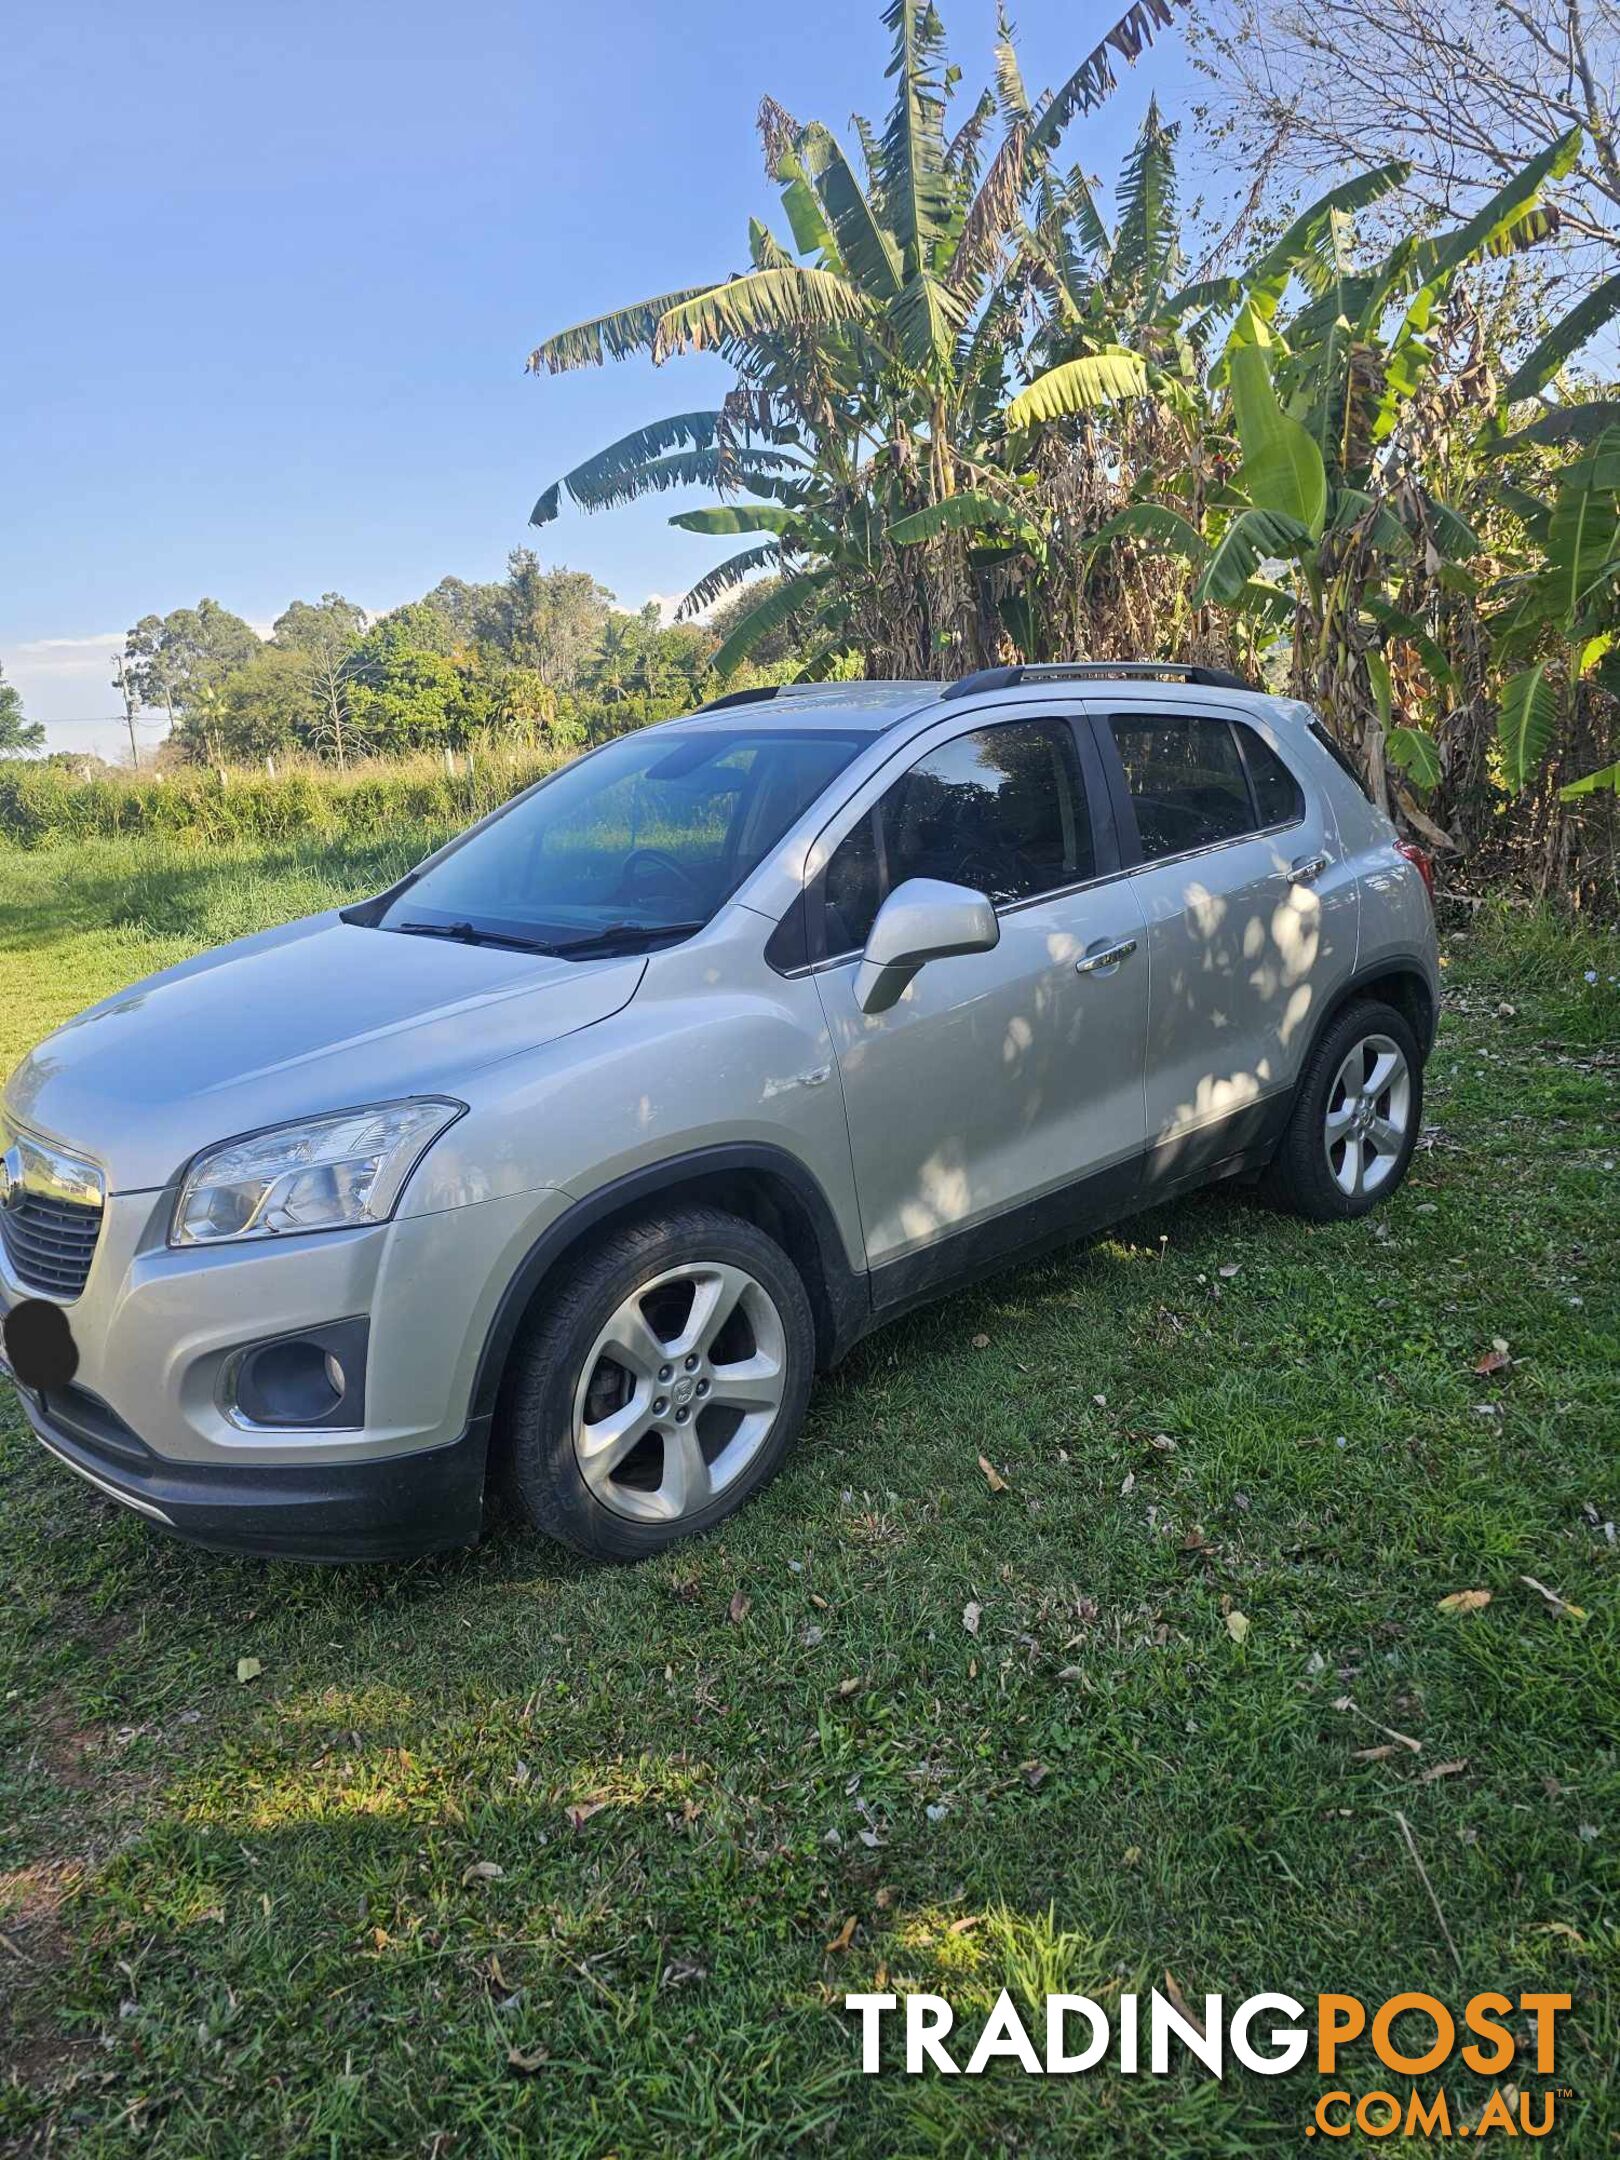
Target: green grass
[239,1919]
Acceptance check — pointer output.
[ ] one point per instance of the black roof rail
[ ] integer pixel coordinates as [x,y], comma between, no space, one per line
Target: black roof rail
[1008,678]
[741,697]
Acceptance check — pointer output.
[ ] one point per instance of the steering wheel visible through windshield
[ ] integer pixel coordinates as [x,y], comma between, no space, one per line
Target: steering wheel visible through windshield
[634,846]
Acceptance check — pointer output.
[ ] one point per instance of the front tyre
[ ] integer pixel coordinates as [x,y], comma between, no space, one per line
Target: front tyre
[1355,1120]
[661,1386]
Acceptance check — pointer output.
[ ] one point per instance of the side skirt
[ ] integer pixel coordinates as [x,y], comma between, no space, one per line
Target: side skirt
[1244,1142]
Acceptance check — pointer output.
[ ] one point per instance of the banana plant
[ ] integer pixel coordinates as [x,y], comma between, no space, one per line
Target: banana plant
[874,346]
[1325,400]
[1562,620]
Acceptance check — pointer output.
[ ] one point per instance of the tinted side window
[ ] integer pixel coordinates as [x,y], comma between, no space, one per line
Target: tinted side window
[853,887]
[1002,810]
[1277,797]
[1186,782]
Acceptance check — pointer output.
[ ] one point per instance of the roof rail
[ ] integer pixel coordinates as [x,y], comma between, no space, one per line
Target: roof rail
[741,697]
[1008,678]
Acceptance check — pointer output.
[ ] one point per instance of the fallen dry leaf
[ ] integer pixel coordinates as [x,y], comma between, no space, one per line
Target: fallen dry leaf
[525,2061]
[992,1477]
[972,1612]
[1442,1769]
[1464,1601]
[884,1898]
[580,1812]
[1179,2002]
[966,1925]
[1554,1602]
[482,1871]
[847,1687]
[1237,1626]
[247,1668]
[845,1936]
[1349,1704]
[1375,1754]
[740,1607]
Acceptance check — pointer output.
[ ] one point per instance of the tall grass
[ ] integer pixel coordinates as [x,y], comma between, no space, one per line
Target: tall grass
[42,804]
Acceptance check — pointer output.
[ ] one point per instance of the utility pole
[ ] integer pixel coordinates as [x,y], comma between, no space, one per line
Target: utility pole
[125,687]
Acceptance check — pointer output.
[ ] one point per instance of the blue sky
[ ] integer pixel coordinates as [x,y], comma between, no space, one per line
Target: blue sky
[270,277]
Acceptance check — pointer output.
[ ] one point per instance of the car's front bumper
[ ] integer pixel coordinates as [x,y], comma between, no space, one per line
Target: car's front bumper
[388,1508]
[149,1420]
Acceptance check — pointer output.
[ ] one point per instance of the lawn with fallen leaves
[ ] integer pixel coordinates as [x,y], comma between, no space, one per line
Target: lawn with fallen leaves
[1229,1599]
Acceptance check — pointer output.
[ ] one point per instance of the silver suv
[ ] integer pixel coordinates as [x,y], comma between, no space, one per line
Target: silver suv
[564,1164]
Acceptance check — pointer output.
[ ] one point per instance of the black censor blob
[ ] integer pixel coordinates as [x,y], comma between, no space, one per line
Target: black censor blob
[39,1344]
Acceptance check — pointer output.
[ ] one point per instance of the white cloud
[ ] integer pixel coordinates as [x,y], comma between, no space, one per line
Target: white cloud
[57,656]
[67,683]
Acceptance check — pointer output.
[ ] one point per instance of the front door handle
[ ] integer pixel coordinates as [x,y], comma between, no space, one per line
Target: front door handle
[1109,956]
[1307,870]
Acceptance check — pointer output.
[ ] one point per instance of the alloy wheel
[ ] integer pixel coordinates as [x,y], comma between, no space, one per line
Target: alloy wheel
[680,1391]
[1369,1116]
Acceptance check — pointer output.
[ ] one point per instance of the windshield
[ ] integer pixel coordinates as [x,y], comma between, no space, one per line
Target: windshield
[633,847]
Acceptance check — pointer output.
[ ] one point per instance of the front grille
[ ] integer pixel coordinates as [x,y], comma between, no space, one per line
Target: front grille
[49,1242]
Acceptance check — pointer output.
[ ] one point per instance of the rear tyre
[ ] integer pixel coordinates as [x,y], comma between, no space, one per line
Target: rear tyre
[660,1387]
[1356,1118]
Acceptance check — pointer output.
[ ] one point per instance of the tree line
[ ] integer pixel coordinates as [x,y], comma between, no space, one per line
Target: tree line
[542,658]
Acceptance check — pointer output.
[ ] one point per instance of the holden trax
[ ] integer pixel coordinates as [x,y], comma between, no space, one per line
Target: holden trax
[565,1164]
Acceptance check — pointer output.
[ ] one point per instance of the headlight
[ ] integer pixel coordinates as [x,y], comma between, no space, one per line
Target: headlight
[325,1173]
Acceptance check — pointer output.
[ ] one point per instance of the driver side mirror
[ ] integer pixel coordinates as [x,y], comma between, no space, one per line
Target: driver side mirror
[924,919]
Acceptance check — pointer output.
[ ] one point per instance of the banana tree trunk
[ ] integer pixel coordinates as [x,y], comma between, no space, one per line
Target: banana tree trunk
[1330,675]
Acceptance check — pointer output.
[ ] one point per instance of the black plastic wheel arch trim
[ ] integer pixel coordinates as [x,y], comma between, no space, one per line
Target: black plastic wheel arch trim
[843,1309]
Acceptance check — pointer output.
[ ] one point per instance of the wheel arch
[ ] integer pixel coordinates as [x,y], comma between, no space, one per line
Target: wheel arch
[1400,983]
[763,1185]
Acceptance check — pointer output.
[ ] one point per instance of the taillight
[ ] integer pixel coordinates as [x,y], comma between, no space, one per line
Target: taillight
[1421,861]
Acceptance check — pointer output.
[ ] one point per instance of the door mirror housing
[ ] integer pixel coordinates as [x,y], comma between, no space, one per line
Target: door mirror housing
[924,919]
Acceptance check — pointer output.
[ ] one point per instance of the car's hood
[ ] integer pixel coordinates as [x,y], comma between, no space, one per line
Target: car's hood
[318,1015]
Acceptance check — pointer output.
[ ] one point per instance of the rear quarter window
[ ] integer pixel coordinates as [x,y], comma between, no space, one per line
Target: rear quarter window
[1278,797]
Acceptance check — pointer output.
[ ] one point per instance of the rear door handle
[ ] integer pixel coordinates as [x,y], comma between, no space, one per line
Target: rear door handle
[1108,956]
[1307,870]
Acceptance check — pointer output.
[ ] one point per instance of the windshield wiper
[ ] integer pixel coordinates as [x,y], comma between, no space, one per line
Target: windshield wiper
[623,937]
[466,933]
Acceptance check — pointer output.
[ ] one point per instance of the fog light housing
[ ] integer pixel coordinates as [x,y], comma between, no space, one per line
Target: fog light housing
[315,1378]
